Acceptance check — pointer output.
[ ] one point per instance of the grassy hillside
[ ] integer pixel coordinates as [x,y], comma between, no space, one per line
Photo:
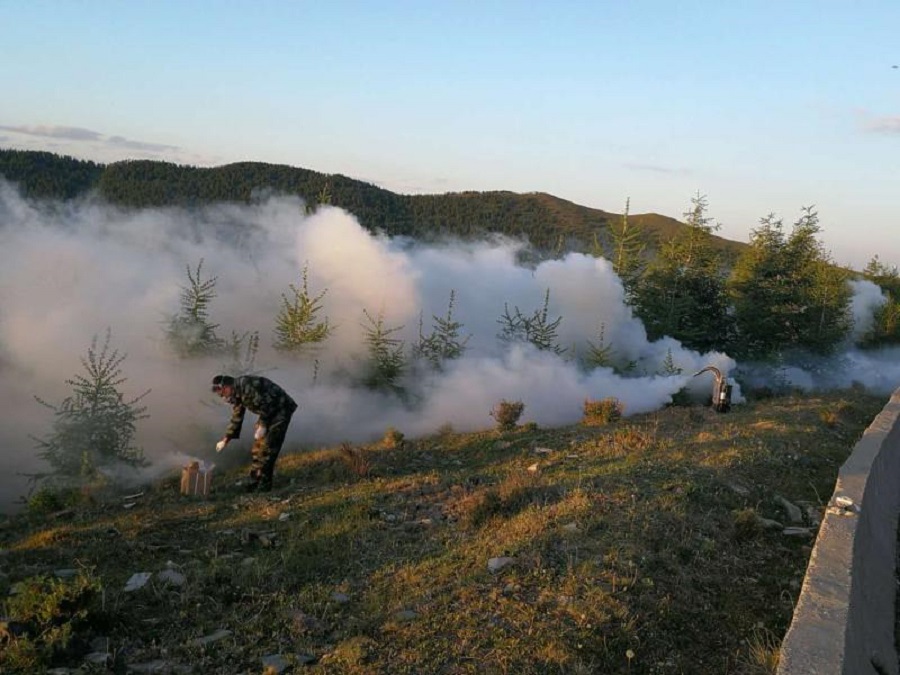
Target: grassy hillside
[635,547]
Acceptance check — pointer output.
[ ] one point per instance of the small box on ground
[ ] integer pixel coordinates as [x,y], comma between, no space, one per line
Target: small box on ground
[196,478]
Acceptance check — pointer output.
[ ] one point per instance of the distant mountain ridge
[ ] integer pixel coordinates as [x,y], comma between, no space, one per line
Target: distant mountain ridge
[548,222]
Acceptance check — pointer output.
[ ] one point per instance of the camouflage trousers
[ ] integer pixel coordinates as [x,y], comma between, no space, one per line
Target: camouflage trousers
[265,449]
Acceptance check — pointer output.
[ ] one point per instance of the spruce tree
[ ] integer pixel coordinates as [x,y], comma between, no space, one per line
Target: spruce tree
[627,253]
[387,363]
[94,427]
[190,332]
[444,343]
[536,329]
[297,328]
[682,294]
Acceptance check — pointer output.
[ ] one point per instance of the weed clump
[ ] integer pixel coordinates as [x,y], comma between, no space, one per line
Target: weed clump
[507,414]
[356,461]
[393,439]
[46,615]
[602,412]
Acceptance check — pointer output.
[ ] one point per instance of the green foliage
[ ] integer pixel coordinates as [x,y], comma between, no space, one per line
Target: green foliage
[786,293]
[297,328]
[51,615]
[444,342]
[602,412]
[95,426]
[190,332]
[682,294]
[535,329]
[47,500]
[885,328]
[507,414]
[669,368]
[599,354]
[387,362]
[628,246]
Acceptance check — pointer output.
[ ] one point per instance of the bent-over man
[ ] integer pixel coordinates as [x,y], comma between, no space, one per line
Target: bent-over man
[274,407]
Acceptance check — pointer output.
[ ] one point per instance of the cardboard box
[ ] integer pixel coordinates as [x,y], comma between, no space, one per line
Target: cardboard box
[196,478]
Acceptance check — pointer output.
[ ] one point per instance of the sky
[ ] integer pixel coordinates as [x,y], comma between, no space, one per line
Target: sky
[764,107]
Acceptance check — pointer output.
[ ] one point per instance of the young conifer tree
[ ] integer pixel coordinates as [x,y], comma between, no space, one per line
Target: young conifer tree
[387,363]
[297,326]
[190,332]
[536,329]
[628,247]
[444,342]
[94,427]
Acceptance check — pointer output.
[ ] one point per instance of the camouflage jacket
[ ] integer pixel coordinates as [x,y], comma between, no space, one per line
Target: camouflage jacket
[260,396]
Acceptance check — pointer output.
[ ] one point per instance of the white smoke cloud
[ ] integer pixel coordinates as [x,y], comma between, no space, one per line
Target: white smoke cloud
[70,272]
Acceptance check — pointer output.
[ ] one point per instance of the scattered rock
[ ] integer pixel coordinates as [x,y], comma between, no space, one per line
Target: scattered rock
[137,581]
[172,577]
[496,564]
[158,666]
[533,468]
[274,663]
[67,573]
[284,516]
[797,532]
[97,658]
[340,598]
[794,514]
[769,524]
[220,634]
[737,488]
[570,527]
[405,615]
[543,451]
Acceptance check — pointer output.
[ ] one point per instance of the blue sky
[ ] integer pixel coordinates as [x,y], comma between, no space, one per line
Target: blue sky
[762,106]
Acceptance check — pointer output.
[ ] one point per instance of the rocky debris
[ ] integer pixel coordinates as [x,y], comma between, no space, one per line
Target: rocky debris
[274,663]
[137,581]
[220,634]
[405,615]
[340,598]
[264,539]
[768,523]
[797,532]
[157,667]
[543,451]
[794,514]
[494,565]
[533,468]
[737,488]
[66,573]
[171,577]
[97,658]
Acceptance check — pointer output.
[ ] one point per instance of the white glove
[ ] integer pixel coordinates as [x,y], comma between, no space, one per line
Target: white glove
[260,432]
[220,446]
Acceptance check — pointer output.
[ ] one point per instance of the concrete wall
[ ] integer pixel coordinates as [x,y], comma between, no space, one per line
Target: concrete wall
[844,620]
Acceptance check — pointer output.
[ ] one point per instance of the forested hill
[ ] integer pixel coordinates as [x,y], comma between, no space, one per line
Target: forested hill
[547,221]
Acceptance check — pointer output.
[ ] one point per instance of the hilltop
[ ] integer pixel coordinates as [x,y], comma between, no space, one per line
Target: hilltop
[548,222]
[671,542]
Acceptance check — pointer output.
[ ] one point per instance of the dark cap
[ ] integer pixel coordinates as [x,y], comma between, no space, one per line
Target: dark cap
[220,381]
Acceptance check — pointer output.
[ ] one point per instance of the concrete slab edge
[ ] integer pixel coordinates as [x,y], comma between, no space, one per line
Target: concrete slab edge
[844,620]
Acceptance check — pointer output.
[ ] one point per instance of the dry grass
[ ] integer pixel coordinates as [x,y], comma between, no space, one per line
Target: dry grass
[634,548]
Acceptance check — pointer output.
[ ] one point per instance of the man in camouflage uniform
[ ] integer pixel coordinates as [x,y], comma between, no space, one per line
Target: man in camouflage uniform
[274,407]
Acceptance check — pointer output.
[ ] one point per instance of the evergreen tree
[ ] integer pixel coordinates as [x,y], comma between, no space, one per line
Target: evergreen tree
[94,427]
[297,328]
[387,362]
[628,245]
[190,332]
[444,342]
[241,351]
[786,292]
[682,294]
[536,329]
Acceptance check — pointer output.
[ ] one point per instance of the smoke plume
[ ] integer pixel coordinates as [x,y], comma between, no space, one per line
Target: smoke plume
[70,272]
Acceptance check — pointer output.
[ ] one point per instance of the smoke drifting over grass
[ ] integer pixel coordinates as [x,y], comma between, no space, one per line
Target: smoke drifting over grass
[70,271]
